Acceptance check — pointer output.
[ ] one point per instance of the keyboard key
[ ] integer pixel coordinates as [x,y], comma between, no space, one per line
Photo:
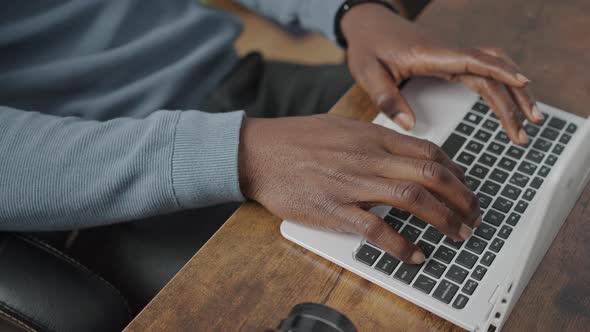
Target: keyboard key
[476,245]
[481,108]
[529,194]
[521,206]
[496,245]
[493,217]
[487,159]
[499,176]
[367,254]
[457,274]
[444,254]
[432,235]
[469,287]
[426,247]
[502,204]
[473,118]
[504,232]
[502,137]
[542,145]
[452,243]
[507,164]
[485,231]
[511,192]
[403,215]
[519,180]
[417,222]
[460,302]
[435,268]
[473,146]
[557,123]
[472,183]
[484,200]
[453,144]
[496,148]
[407,272]
[490,188]
[565,138]
[527,168]
[394,222]
[466,259]
[544,171]
[478,273]
[558,149]
[479,171]
[550,134]
[410,233]
[387,264]
[531,130]
[488,258]
[515,152]
[535,156]
[424,284]
[571,128]
[513,219]
[491,125]
[465,129]
[551,160]
[466,158]
[483,135]
[545,117]
[445,291]
[537,182]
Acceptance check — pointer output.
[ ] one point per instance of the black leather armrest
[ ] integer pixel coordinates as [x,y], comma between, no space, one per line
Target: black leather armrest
[41,289]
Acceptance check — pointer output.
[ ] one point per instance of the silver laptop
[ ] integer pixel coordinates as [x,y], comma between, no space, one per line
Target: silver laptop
[525,194]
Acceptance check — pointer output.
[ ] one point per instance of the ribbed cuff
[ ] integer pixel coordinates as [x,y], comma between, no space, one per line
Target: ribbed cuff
[205,158]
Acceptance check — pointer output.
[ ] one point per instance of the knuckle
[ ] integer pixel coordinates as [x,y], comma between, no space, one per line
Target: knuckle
[369,227]
[411,194]
[432,151]
[433,172]
[384,101]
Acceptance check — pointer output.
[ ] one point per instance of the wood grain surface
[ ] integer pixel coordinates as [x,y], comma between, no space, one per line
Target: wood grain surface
[247,277]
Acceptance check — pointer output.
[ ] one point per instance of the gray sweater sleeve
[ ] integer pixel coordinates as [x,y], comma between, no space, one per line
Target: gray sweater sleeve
[64,172]
[315,15]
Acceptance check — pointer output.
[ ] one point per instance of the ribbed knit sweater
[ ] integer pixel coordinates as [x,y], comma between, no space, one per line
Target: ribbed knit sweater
[98,107]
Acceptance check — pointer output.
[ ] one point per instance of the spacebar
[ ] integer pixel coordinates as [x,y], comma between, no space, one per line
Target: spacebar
[453,144]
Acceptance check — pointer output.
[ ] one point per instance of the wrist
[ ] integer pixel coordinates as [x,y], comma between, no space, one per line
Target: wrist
[249,147]
[358,12]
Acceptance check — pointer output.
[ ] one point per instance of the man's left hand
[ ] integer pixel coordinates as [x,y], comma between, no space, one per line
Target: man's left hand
[384,49]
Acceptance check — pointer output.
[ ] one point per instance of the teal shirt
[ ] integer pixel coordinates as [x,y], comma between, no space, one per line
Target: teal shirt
[98,107]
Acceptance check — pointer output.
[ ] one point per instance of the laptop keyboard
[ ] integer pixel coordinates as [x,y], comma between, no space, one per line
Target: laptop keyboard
[505,178]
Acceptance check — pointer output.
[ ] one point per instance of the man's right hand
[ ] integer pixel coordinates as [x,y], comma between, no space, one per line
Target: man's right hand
[326,171]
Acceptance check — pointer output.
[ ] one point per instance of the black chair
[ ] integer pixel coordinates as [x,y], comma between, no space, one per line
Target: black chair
[100,280]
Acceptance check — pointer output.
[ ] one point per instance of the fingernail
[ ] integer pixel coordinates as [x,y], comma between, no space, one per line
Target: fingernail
[520,77]
[417,257]
[477,222]
[523,137]
[404,120]
[465,231]
[537,114]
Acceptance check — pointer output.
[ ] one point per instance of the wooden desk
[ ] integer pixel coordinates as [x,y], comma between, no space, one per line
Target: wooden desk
[247,277]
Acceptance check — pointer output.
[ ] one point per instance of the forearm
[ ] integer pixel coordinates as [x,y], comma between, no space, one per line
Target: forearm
[63,173]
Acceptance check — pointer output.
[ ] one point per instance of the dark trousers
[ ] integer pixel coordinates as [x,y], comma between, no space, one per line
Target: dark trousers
[140,257]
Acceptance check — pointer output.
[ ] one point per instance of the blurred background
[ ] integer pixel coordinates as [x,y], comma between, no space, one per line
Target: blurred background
[277,43]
